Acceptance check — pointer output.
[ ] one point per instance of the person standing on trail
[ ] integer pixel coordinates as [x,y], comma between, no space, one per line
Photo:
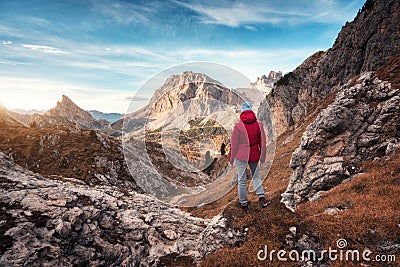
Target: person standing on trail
[248,147]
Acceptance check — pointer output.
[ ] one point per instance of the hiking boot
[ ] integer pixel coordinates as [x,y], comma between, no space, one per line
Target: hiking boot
[245,208]
[264,202]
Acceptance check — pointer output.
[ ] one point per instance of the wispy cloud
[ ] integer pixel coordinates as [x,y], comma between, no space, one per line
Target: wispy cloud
[235,15]
[13,63]
[122,12]
[44,49]
[248,14]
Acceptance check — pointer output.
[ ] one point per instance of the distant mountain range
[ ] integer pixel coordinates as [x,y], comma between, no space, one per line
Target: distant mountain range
[28,112]
[98,115]
[111,117]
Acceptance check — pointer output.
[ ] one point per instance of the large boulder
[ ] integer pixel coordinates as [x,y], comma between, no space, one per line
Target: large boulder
[361,124]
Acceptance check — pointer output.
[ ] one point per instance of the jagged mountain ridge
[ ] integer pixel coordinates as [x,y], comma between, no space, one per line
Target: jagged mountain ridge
[66,112]
[362,45]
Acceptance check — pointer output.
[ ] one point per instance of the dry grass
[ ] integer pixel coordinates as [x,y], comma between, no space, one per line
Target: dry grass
[371,216]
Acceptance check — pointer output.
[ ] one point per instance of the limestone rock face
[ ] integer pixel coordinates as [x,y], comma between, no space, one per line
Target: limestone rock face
[365,44]
[361,124]
[67,113]
[61,223]
[185,94]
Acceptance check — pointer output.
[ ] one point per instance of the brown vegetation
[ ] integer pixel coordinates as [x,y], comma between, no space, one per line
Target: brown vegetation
[64,151]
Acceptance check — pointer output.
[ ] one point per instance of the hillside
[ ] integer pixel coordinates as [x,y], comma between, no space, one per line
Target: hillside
[67,152]
[6,120]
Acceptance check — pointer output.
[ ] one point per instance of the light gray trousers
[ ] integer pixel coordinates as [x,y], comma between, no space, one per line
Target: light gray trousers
[242,178]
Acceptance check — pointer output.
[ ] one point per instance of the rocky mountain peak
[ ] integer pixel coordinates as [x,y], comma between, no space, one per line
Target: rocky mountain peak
[188,85]
[66,112]
[273,75]
[179,81]
[189,77]
[67,108]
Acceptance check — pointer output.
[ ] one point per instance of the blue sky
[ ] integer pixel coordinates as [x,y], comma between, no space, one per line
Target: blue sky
[100,52]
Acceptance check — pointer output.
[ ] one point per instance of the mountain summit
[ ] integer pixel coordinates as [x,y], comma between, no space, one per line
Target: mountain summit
[68,113]
[197,93]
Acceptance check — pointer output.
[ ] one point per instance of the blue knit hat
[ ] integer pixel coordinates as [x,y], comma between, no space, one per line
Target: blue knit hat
[246,106]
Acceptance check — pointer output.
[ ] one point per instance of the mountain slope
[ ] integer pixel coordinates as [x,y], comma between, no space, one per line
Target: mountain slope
[64,151]
[365,44]
[363,123]
[6,120]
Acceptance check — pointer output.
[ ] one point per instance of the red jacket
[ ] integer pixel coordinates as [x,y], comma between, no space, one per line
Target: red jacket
[248,142]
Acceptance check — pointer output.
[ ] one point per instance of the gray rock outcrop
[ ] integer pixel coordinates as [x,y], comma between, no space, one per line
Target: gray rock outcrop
[363,123]
[47,222]
[365,44]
